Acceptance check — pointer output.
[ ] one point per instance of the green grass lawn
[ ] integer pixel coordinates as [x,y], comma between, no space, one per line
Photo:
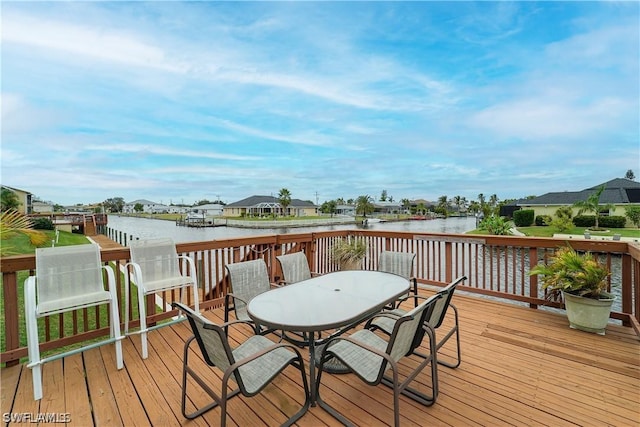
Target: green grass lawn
[550,231]
[20,244]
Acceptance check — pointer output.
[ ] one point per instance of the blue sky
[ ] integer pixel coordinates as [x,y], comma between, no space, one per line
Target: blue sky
[183,101]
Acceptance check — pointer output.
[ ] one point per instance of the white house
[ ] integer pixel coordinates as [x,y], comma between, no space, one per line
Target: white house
[210,209]
[147,207]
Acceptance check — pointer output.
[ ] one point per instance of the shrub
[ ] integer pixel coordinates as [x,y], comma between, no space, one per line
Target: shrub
[613,221]
[562,221]
[523,217]
[42,223]
[584,220]
[633,213]
[496,225]
[543,220]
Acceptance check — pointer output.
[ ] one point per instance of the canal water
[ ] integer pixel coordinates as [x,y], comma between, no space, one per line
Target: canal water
[144,228]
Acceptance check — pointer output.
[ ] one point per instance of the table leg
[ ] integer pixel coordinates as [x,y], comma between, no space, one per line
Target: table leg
[312,368]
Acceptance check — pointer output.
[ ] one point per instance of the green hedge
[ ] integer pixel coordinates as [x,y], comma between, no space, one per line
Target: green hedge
[523,217]
[42,223]
[543,220]
[613,221]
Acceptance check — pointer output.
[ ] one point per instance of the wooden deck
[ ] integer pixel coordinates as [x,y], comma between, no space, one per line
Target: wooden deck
[519,367]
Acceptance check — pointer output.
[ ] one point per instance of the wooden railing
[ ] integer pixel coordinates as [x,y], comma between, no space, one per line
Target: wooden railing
[496,266]
[73,218]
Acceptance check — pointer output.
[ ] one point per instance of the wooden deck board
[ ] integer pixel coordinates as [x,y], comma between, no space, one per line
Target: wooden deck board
[9,380]
[129,407]
[519,367]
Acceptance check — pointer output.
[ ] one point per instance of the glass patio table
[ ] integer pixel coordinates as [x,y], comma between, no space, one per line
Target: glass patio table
[332,301]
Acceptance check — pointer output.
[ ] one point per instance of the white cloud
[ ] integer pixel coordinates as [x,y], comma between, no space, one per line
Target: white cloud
[76,44]
[74,40]
[536,118]
[576,88]
[308,139]
[20,116]
[158,150]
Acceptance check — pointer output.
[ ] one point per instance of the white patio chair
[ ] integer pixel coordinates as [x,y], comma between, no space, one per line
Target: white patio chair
[68,278]
[295,268]
[156,268]
[370,357]
[435,319]
[400,263]
[252,365]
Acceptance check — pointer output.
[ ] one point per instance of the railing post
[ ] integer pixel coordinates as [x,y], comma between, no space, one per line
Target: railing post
[533,280]
[448,262]
[10,295]
[627,291]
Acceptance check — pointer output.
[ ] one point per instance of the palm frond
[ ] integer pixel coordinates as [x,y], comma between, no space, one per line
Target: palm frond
[13,223]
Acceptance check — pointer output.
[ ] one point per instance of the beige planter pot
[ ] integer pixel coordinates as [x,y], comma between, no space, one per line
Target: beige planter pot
[588,314]
[355,265]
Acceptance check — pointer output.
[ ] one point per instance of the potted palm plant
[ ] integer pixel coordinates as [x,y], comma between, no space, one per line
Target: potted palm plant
[582,281]
[349,252]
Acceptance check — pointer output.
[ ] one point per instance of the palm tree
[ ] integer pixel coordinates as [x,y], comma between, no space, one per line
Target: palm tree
[474,206]
[592,204]
[333,206]
[329,207]
[457,201]
[482,204]
[9,200]
[493,200]
[284,198]
[443,205]
[364,205]
[463,204]
[406,204]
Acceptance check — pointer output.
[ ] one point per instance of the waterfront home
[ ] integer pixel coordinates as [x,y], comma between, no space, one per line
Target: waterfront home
[269,205]
[147,207]
[620,192]
[25,199]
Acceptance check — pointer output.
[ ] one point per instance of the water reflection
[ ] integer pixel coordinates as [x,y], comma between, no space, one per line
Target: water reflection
[144,228]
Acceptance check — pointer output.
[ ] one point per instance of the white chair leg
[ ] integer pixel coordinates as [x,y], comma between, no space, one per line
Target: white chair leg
[119,359]
[115,333]
[143,340]
[192,273]
[142,313]
[196,301]
[33,344]
[36,372]
[127,289]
